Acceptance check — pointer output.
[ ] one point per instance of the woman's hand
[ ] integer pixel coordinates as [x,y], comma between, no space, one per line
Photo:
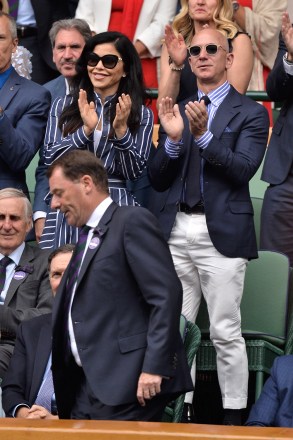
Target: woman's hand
[123,108]
[87,112]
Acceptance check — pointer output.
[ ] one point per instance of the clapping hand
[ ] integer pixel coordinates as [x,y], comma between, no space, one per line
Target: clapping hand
[123,108]
[170,119]
[87,112]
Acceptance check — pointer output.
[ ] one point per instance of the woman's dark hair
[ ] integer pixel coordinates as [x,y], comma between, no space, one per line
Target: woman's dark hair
[132,83]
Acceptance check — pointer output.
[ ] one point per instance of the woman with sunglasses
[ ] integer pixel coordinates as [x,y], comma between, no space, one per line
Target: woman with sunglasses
[105,114]
[177,81]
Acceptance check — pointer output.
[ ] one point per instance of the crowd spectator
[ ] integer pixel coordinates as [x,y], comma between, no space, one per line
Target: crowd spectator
[117,353]
[26,382]
[142,21]
[104,115]
[177,80]
[34,19]
[25,288]
[261,19]
[203,164]
[277,210]
[23,113]
[68,38]
[274,405]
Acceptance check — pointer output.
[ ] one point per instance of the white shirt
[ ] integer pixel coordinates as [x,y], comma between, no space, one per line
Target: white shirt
[92,222]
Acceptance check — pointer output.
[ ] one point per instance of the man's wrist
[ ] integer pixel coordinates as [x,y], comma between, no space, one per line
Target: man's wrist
[288,58]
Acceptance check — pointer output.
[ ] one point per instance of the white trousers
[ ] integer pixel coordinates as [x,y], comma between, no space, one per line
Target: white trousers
[203,270]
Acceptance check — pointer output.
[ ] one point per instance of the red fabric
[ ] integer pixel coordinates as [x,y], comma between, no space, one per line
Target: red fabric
[124,18]
[246,3]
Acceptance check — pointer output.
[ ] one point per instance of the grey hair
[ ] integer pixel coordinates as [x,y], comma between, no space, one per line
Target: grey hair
[67,24]
[8,193]
[12,24]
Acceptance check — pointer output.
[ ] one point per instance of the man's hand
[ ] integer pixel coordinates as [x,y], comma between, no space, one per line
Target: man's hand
[39,226]
[287,34]
[39,412]
[197,116]
[171,119]
[149,385]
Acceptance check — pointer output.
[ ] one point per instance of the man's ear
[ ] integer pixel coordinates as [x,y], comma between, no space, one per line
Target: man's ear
[229,60]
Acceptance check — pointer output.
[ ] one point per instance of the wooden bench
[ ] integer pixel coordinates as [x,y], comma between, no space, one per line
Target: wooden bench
[20,429]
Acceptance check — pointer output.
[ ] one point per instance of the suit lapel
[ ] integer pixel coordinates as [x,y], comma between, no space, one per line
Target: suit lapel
[227,110]
[99,234]
[9,89]
[27,257]
[42,351]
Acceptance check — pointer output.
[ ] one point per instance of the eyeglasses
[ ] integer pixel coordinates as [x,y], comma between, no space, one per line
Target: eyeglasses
[211,49]
[109,61]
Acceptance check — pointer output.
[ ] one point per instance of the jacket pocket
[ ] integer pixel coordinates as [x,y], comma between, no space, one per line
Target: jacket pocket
[240,207]
[134,342]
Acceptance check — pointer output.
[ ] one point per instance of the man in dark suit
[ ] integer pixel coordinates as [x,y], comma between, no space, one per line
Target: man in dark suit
[30,359]
[34,19]
[274,405]
[68,38]
[24,108]
[277,210]
[25,289]
[117,352]
[203,166]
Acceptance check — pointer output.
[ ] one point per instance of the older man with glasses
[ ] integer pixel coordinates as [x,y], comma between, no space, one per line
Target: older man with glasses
[213,144]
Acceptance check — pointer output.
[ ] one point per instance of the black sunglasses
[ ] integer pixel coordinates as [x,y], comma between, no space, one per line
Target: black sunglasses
[109,61]
[211,49]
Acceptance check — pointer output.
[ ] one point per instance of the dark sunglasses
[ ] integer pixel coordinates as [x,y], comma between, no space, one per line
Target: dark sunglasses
[109,61]
[211,49]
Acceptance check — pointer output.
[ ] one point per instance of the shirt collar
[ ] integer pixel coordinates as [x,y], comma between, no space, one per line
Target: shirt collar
[217,95]
[98,213]
[16,254]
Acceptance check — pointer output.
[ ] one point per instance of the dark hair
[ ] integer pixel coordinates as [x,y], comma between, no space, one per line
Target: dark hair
[132,83]
[78,163]
[65,249]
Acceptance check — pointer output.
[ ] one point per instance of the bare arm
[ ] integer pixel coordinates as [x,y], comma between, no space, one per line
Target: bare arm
[239,73]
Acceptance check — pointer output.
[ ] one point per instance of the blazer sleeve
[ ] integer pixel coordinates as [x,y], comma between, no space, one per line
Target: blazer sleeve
[14,383]
[153,269]
[23,138]
[279,84]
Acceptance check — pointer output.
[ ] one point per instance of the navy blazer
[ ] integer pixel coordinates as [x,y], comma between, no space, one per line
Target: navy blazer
[274,407]
[279,156]
[240,131]
[22,128]
[56,87]
[27,367]
[125,313]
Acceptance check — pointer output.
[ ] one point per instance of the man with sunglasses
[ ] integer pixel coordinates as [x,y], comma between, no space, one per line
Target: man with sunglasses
[210,147]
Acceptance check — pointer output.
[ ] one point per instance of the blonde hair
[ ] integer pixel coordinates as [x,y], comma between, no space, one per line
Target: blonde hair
[222,17]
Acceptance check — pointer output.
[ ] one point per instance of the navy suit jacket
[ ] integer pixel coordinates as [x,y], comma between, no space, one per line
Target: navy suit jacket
[56,87]
[46,13]
[24,377]
[279,156]
[22,128]
[274,407]
[240,131]
[125,313]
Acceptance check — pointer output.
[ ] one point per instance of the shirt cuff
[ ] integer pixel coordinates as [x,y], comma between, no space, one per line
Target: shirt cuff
[288,66]
[173,149]
[39,214]
[19,406]
[204,140]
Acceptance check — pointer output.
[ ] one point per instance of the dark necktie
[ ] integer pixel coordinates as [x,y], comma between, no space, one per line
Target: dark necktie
[13,8]
[46,392]
[193,194]
[74,267]
[3,264]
